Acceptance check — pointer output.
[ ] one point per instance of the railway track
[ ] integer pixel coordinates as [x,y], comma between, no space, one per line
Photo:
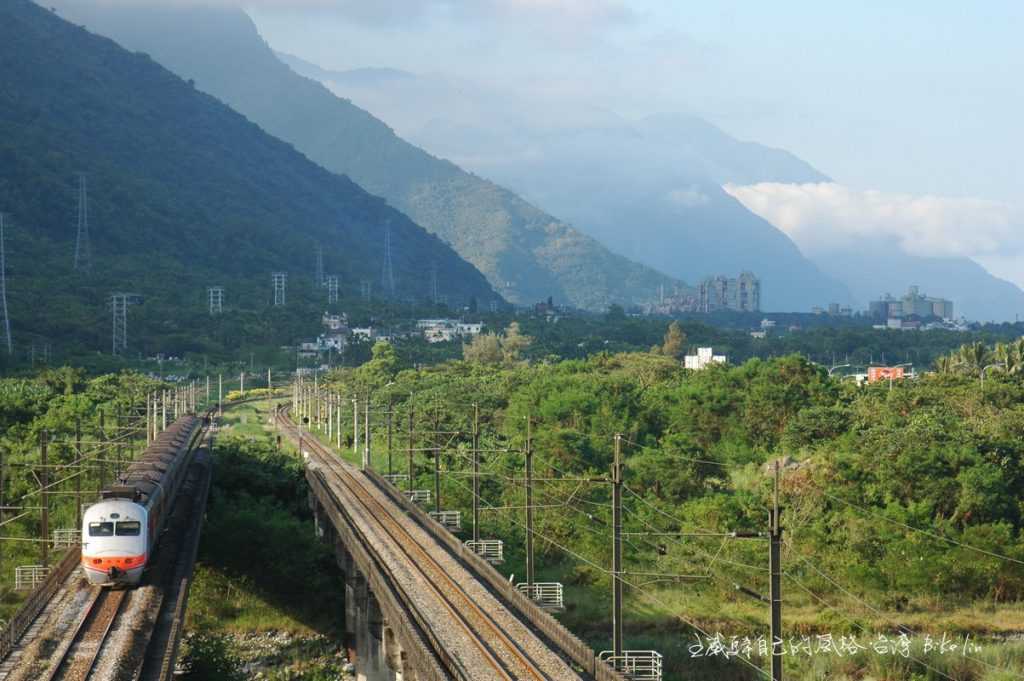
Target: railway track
[80,656]
[505,658]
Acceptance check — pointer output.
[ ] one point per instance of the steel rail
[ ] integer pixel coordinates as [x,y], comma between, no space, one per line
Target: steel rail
[99,618]
[408,545]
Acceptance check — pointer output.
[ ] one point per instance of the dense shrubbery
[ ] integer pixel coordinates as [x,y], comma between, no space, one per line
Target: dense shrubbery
[861,465]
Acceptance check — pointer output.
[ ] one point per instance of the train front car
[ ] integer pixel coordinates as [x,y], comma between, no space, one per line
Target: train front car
[115,544]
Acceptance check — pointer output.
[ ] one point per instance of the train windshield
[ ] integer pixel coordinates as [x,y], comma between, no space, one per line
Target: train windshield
[128,528]
[101,529]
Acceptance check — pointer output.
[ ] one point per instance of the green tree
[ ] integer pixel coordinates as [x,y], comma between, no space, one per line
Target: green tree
[674,343]
[483,349]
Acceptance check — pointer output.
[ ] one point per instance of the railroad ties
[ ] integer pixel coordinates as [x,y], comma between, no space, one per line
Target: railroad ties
[88,632]
[442,610]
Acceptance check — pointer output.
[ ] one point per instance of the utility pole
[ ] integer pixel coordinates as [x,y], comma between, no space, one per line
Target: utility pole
[220,395]
[270,384]
[617,642]
[355,425]
[775,568]
[207,391]
[78,472]
[83,249]
[391,408]
[437,464]
[412,419]
[529,505]
[6,320]
[44,479]
[241,382]
[367,463]
[476,472]
[120,446]
[101,482]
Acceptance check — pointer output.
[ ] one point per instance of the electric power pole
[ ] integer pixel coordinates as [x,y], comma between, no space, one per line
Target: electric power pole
[775,593]
[437,463]
[367,464]
[412,419]
[391,408]
[476,472]
[617,642]
[529,505]
[44,483]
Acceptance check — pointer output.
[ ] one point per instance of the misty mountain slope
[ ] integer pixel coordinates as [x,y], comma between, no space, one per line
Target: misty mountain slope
[527,254]
[185,193]
[650,189]
[884,268]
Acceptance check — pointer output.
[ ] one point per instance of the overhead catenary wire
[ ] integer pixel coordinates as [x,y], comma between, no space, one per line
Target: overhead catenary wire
[927,533]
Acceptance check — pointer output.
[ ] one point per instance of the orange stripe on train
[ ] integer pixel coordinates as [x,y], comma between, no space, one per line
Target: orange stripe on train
[119,562]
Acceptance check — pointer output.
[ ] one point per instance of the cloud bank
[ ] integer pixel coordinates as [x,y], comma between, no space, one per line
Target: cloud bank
[827,217]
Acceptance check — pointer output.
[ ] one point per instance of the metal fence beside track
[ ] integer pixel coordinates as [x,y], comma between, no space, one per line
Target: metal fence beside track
[37,600]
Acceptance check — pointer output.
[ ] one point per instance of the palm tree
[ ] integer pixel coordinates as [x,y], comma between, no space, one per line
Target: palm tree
[973,357]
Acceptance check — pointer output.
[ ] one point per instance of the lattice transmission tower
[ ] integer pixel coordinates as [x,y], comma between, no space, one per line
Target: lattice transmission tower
[332,288]
[387,279]
[434,292]
[280,285]
[119,303]
[83,248]
[215,296]
[5,321]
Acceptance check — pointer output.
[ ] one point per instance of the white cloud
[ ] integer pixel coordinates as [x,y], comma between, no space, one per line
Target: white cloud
[823,217]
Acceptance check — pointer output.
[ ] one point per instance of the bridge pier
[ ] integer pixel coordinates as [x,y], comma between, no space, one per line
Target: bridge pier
[373,646]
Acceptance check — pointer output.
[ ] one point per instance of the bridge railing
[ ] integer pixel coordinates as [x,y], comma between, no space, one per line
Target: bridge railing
[37,600]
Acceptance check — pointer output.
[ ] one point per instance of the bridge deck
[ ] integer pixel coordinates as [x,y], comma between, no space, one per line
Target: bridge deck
[474,634]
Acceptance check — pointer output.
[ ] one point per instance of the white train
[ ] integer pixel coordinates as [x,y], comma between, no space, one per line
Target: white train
[120,532]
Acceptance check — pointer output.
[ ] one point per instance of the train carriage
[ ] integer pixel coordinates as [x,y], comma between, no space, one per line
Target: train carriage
[120,532]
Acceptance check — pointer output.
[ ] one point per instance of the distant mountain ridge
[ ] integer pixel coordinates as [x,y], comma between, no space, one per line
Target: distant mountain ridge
[185,194]
[525,253]
[650,189]
[661,175]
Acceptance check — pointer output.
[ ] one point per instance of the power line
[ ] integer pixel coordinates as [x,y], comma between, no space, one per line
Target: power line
[924,532]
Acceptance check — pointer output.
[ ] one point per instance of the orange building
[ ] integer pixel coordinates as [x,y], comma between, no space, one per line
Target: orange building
[876,374]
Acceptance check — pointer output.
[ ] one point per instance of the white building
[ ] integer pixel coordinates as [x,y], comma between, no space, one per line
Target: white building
[364,332]
[335,322]
[446,330]
[704,358]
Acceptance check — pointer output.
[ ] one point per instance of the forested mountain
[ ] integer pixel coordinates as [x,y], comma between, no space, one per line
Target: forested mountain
[184,193]
[525,253]
[650,188]
[662,176]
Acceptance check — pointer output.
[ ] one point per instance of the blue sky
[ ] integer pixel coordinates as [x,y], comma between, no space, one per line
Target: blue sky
[907,98]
